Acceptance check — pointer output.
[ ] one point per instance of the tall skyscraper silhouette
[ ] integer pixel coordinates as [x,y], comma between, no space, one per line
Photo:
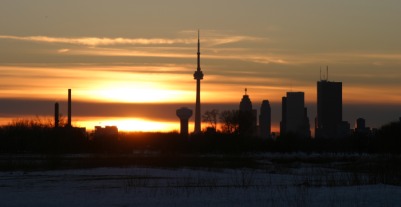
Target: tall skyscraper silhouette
[294,115]
[329,109]
[247,116]
[265,119]
[56,115]
[198,76]
[69,109]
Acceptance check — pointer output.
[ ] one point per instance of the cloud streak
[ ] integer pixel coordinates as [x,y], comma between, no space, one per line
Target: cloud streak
[158,52]
[159,47]
[98,41]
[105,41]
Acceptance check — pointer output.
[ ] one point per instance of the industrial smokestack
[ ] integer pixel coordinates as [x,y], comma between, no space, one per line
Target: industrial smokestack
[69,108]
[56,115]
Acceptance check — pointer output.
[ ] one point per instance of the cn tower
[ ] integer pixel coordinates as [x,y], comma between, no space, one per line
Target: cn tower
[198,76]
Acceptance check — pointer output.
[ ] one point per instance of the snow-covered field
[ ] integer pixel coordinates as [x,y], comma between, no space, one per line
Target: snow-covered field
[137,186]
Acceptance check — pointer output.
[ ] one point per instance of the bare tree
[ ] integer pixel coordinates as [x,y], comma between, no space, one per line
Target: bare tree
[210,117]
[229,120]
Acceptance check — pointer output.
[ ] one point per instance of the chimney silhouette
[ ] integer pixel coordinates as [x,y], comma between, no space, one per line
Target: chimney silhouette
[69,108]
[56,115]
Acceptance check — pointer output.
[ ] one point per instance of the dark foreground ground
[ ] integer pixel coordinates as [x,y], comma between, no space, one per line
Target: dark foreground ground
[154,179]
[375,168]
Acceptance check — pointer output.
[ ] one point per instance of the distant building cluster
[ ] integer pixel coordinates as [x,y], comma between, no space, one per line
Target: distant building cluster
[295,120]
[100,134]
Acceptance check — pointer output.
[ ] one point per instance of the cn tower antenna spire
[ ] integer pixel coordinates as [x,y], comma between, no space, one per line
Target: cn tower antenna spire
[327,73]
[198,76]
[198,68]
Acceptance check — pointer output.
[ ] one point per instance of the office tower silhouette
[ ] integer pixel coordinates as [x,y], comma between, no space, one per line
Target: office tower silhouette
[69,108]
[360,123]
[247,117]
[294,115]
[56,115]
[198,76]
[184,114]
[328,121]
[360,127]
[265,119]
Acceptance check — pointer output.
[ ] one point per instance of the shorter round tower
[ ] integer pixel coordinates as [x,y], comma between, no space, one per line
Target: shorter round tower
[184,114]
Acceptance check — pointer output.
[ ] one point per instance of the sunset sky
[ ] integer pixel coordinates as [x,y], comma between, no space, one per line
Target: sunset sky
[131,63]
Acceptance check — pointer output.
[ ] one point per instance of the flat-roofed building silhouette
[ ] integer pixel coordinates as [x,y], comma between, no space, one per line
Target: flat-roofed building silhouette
[107,132]
[329,109]
[294,115]
[360,127]
[265,119]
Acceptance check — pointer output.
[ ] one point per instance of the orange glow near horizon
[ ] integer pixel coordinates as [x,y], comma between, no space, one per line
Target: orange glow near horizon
[127,124]
[162,84]
[111,84]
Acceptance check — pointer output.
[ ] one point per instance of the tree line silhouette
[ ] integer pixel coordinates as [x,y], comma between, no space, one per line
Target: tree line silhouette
[40,136]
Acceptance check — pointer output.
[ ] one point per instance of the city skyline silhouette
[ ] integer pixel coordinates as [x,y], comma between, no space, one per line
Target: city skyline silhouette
[206,103]
[324,85]
[116,65]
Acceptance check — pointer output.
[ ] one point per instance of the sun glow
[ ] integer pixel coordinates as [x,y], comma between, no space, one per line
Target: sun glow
[129,124]
[139,95]
[140,88]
